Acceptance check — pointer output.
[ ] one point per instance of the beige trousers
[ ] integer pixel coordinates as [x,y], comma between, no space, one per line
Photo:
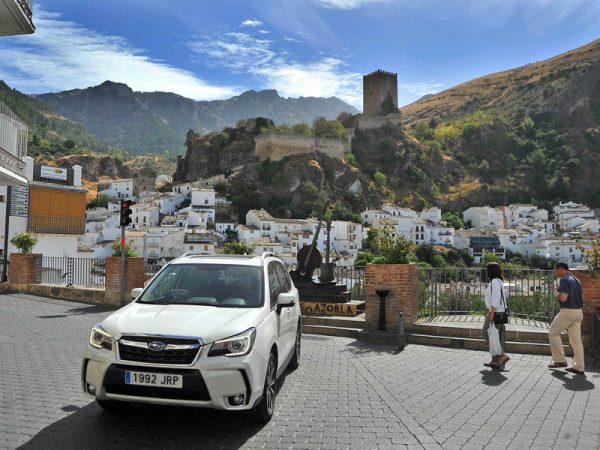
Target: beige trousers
[570,320]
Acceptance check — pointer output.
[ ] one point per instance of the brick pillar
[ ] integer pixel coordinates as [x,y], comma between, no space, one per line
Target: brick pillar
[590,282]
[134,274]
[402,281]
[25,268]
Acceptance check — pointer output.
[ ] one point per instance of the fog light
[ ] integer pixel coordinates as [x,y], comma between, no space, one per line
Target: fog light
[91,389]
[236,400]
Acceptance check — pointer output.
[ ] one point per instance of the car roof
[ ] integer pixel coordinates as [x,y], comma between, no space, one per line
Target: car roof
[242,260]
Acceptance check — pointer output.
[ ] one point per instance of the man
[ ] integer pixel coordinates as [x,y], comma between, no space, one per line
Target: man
[569,318]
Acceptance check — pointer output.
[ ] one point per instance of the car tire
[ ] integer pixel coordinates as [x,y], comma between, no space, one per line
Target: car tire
[295,361]
[113,406]
[263,411]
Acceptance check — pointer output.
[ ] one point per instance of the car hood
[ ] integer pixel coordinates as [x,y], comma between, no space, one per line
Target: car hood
[207,322]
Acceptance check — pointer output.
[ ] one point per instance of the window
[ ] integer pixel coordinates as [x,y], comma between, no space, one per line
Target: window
[274,286]
[191,247]
[206,201]
[284,278]
[205,248]
[1,198]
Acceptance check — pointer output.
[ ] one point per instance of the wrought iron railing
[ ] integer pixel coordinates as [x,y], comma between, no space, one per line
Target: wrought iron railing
[13,141]
[86,272]
[56,224]
[452,291]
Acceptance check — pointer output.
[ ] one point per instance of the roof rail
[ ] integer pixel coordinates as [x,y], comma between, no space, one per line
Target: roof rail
[267,255]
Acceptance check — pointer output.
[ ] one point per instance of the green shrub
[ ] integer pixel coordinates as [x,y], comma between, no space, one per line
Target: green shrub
[24,242]
[237,248]
[129,250]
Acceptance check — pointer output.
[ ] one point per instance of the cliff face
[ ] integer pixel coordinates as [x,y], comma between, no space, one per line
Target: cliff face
[214,154]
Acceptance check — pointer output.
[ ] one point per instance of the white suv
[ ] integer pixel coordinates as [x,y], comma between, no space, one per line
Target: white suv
[208,331]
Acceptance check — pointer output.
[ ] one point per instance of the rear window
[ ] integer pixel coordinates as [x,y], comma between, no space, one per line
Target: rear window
[218,285]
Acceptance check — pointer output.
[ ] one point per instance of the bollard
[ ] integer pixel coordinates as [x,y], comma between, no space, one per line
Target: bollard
[401,337]
[382,293]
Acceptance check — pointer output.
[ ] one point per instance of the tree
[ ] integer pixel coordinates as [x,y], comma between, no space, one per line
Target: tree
[454,220]
[24,242]
[391,249]
[69,144]
[237,248]
[302,129]
[380,178]
[329,128]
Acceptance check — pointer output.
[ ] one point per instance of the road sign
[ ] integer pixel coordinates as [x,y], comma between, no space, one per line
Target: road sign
[19,201]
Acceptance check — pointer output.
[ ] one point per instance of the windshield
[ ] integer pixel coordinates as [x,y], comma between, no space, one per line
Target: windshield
[219,285]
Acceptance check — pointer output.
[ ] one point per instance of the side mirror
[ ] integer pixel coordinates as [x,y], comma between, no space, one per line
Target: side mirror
[286,299]
[135,292]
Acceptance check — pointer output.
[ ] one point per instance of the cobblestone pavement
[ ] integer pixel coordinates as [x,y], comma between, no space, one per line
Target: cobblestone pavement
[344,395]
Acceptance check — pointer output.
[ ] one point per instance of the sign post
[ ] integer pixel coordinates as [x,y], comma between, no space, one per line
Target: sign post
[6,222]
[122,299]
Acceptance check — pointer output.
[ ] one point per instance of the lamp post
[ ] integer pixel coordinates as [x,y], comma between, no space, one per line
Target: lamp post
[382,293]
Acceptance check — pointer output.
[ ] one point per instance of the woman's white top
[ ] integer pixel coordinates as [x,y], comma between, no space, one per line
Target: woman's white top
[493,295]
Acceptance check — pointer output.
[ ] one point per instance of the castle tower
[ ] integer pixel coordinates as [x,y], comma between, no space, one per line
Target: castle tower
[377,87]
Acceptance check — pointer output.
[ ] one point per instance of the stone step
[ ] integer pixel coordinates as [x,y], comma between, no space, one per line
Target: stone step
[357,322]
[330,331]
[531,335]
[534,348]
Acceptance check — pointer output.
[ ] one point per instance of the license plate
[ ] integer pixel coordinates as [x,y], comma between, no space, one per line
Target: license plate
[167,380]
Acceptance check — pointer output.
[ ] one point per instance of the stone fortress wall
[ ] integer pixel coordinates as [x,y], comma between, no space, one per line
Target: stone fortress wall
[276,146]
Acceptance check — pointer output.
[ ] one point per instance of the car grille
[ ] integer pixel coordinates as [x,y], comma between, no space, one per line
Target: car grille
[194,387]
[167,356]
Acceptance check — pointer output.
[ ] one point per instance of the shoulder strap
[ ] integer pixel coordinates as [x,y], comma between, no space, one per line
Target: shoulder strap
[501,290]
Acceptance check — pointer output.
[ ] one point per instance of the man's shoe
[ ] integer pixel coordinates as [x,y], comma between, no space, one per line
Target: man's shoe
[557,365]
[575,371]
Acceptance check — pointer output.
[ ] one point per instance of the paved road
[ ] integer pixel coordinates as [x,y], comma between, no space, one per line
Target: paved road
[344,395]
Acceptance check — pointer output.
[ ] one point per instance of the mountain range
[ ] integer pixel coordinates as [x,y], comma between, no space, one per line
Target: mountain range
[152,122]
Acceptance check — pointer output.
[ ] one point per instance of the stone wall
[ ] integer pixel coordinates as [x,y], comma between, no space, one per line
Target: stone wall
[366,122]
[275,146]
[134,276]
[25,268]
[402,281]
[376,87]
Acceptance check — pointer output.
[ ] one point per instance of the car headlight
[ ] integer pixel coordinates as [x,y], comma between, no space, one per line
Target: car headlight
[100,338]
[238,345]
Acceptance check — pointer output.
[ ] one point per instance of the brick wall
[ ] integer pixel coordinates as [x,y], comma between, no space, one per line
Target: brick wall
[134,274]
[25,268]
[402,280]
[590,281]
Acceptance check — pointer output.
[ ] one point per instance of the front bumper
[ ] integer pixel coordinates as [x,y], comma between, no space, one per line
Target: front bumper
[207,382]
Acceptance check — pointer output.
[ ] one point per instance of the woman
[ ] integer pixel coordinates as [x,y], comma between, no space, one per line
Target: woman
[495,301]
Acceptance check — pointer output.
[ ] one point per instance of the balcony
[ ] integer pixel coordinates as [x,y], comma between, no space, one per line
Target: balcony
[16,17]
[13,148]
[56,225]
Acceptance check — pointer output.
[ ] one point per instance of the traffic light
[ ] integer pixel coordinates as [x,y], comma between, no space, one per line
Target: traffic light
[126,212]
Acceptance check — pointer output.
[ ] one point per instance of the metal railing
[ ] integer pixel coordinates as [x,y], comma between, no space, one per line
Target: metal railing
[85,272]
[13,141]
[452,291]
[56,224]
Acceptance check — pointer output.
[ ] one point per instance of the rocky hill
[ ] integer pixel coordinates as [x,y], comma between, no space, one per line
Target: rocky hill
[530,134]
[152,122]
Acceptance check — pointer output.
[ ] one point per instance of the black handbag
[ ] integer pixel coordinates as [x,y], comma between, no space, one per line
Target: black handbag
[501,318]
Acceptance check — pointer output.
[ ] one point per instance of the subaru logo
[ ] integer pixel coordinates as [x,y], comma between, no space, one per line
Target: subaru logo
[157,346]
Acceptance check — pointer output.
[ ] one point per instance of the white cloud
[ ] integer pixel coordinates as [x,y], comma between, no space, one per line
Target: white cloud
[422,88]
[251,23]
[244,53]
[347,4]
[64,55]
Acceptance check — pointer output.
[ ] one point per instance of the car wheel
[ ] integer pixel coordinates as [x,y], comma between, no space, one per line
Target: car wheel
[263,411]
[113,406]
[295,361]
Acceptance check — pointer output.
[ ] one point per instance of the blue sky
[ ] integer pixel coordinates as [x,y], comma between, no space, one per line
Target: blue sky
[214,49]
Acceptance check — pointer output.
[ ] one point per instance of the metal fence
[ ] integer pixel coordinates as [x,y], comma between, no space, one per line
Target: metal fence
[451,291]
[85,272]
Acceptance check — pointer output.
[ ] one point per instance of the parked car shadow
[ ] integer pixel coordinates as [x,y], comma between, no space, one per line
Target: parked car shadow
[147,426]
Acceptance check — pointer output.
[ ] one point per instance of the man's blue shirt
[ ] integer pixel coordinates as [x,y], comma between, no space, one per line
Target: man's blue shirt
[571,286]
